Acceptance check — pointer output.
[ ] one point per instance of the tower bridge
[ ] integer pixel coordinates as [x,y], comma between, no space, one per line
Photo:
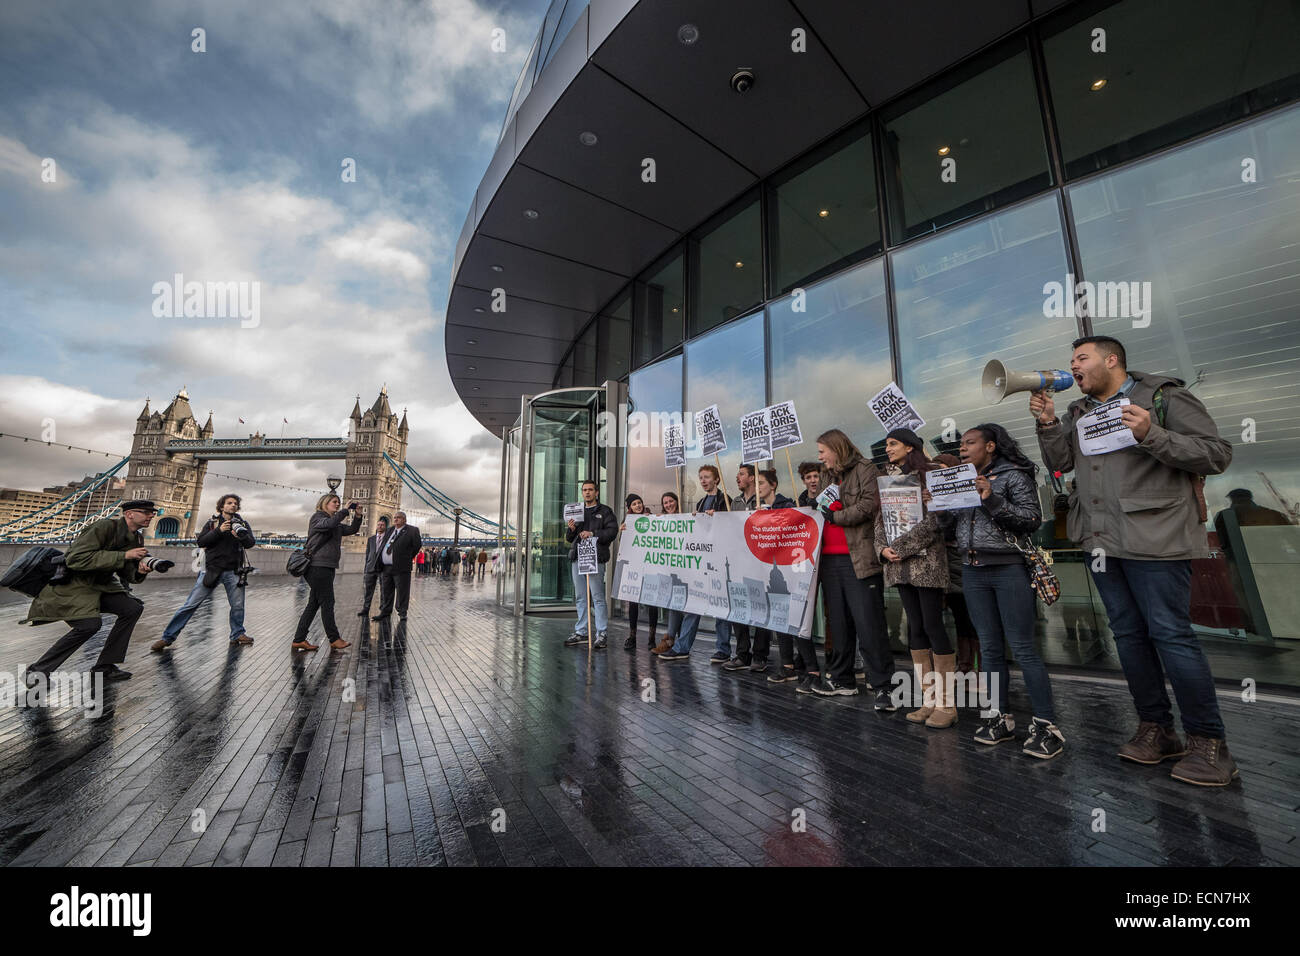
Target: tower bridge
[168,464]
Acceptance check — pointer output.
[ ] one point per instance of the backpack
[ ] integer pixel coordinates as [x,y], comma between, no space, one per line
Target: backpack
[34,569]
[1198,481]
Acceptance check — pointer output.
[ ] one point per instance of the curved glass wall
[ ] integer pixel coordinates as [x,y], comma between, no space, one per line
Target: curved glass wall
[1212,225]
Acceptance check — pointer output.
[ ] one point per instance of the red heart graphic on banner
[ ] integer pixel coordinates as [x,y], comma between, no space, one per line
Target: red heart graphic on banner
[781,536]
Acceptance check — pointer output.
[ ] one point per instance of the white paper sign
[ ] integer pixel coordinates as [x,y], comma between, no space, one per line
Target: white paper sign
[757,594]
[952,488]
[708,425]
[779,611]
[755,437]
[674,446]
[573,513]
[1102,430]
[784,423]
[893,410]
[588,556]
[739,595]
[900,504]
[829,496]
[678,600]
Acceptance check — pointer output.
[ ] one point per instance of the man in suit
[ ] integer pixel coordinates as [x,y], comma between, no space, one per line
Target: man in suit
[372,567]
[396,552]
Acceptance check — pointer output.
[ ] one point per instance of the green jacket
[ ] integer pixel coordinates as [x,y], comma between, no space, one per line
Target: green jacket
[96,565]
[1139,502]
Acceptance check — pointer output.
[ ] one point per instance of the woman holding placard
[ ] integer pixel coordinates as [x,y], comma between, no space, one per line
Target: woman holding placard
[850,574]
[636,506]
[995,580]
[916,562]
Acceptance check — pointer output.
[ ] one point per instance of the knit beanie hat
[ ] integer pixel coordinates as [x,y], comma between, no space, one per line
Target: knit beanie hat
[907,437]
[632,498]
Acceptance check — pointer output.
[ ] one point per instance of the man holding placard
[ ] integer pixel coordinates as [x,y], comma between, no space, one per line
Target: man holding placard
[597,523]
[1137,509]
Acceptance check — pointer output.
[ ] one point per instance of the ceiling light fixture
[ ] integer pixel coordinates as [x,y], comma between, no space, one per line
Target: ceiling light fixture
[739,264]
[531,214]
[943,150]
[479,309]
[496,268]
[472,368]
[1098,84]
[471,341]
[587,138]
[824,213]
[687,34]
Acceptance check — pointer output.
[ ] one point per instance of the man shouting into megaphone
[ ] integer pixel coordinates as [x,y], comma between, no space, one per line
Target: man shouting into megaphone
[1140,446]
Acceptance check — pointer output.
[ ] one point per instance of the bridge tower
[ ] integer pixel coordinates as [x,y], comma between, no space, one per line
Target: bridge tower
[368,478]
[172,481]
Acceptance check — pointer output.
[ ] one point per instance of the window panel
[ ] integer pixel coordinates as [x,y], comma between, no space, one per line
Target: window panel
[725,368]
[824,214]
[1223,261]
[659,309]
[966,145]
[1163,78]
[726,269]
[827,357]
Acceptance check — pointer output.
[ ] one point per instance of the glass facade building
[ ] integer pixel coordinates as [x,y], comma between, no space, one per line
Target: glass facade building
[1136,142]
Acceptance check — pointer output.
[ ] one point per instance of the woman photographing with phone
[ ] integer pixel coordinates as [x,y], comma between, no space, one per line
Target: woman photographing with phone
[324,534]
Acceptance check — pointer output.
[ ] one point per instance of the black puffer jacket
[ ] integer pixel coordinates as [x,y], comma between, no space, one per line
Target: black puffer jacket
[1011,508]
[603,525]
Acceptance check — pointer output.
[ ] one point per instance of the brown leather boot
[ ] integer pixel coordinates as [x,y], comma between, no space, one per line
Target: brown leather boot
[921,664]
[1152,744]
[945,704]
[1207,764]
[664,646]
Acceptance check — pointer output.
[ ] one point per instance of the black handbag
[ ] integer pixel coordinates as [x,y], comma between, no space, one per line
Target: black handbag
[35,568]
[300,560]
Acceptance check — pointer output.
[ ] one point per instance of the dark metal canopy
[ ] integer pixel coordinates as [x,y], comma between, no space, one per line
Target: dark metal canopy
[624,74]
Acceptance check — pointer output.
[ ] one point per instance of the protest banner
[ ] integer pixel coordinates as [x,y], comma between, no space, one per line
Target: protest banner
[952,488]
[1102,430]
[900,504]
[743,566]
[674,446]
[755,438]
[708,426]
[893,410]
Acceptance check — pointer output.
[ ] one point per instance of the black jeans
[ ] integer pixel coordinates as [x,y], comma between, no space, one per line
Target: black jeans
[855,609]
[394,583]
[371,579]
[925,630]
[128,610]
[634,613]
[321,582]
[752,649]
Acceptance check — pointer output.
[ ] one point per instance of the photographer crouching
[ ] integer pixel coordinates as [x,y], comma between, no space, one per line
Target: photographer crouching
[223,540]
[103,562]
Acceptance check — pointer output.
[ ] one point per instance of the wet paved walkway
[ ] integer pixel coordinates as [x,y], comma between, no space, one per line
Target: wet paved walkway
[476,738]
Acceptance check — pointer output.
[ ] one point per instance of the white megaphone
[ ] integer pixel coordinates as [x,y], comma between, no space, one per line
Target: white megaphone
[998,381]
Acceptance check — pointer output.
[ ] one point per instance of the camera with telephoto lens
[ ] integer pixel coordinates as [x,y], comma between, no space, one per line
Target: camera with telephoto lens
[161,565]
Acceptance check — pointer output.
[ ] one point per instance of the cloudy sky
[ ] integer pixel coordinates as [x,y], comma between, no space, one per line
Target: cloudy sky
[226,166]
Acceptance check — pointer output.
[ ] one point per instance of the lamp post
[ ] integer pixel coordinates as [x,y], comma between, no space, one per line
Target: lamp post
[455,542]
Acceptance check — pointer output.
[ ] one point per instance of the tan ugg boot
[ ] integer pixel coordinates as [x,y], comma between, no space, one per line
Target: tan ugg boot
[945,710]
[921,663]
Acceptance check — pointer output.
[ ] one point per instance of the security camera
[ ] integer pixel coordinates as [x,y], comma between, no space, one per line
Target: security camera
[742,80]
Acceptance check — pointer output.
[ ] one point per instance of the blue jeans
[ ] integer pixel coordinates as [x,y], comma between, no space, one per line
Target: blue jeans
[597,599]
[685,626]
[234,593]
[1001,606]
[1149,606]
